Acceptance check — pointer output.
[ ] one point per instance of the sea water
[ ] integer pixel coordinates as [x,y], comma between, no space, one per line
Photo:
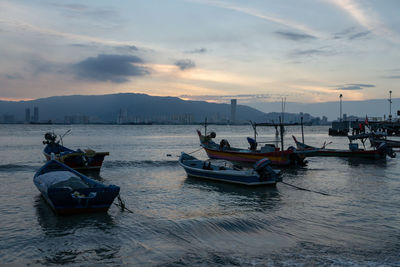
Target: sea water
[183,221]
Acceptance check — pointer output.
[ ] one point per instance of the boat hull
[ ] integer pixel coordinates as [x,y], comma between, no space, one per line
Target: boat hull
[364,154]
[77,160]
[65,199]
[277,158]
[221,174]
[249,181]
[323,152]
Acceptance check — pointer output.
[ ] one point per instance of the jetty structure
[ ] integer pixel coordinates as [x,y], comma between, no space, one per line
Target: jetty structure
[344,127]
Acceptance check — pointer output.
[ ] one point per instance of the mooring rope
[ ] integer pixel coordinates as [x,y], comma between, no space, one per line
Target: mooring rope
[305,189]
[122,204]
[195,151]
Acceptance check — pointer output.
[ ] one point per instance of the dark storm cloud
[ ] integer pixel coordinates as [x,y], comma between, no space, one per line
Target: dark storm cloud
[294,36]
[185,64]
[201,50]
[355,86]
[113,68]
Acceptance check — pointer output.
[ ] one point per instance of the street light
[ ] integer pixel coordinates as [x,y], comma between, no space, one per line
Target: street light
[340,106]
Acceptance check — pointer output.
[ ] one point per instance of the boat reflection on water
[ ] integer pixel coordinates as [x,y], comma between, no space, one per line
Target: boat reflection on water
[75,237]
[58,225]
[253,198]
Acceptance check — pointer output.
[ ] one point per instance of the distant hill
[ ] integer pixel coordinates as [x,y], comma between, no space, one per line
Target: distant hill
[128,107]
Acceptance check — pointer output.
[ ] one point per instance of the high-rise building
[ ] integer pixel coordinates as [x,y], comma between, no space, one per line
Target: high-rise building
[233,110]
[27,115]
[35,114]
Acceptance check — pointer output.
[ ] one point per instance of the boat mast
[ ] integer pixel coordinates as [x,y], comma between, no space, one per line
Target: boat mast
[281,131]
[302,130]
[340,107]
[254,125]
[390,105]
[205,127]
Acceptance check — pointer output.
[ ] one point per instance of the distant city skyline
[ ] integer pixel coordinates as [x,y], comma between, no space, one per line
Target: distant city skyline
[213,50]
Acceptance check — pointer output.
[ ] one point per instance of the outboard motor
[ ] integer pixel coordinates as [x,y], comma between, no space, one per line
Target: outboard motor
[263,168]
[50,138]
[387,150]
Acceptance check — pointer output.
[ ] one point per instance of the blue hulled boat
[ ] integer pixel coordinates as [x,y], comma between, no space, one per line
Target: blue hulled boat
[261,174]
[68,191]
[76,159]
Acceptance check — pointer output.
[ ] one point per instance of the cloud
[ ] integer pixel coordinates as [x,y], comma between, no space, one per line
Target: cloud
[359,35]
[113,68]
[311,52]
[79,10]
[351,34]
[241,97]
[256,13]
[393,77]
[294,36]
[366,17]
[185,64]
[201,50]
[14,76]
[355,86]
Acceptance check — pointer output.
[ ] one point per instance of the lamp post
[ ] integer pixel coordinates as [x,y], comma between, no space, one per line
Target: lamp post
[390,105]
[340,107]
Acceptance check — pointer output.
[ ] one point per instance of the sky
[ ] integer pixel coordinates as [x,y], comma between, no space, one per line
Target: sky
[255,51]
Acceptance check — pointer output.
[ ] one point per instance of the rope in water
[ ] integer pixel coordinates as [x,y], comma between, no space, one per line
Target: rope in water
[305,189]
[121,204]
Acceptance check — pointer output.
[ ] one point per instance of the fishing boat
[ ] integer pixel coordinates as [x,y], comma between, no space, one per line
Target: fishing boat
[81,160]
[261,174]
[377,139]
[68,191]
[353,152]
[223,150]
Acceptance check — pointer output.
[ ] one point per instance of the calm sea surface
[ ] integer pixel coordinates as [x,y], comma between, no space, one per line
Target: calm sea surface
[183,221]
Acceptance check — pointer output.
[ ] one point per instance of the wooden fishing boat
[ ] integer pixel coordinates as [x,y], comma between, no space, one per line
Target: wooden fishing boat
[77,159]
[261,174]
[68,191]
[377,139]
[353,151]
[225,151]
